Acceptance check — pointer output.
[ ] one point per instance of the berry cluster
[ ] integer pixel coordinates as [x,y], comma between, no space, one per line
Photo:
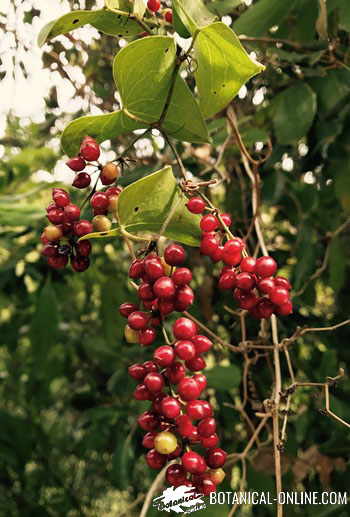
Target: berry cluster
[61,238]
[178,419]
[252,281]
[155,5]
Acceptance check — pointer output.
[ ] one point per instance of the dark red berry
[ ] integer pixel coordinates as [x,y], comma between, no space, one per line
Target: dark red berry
[60,197]
[127,308]
[216,458]
[227,280]
[164,288]
[71,213]
[264,309]
[55,215]
[82,180]
[150,366]
[50,250]
[77,164]
[155,460]
[195,409]
[142,393]
[265,266]
[245,281]
[175,475]
[209,245]
[137,371]
[83,227]
[266,285]
[145,292]
[57,262]
[207,427]
[196,205]
[174,255]
[138,320]
[148,440]
[184,426]
[175,372]
[136,269]
[80,264]
[148,421]
[154,268]
[196,364]
[164,355]
[285,309]
[84,248]
[182,276]
[185,350]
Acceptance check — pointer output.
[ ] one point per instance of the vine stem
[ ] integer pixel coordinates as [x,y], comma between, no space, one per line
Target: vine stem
[156,485]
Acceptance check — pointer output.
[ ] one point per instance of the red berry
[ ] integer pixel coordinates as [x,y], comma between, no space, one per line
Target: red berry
[55,215]
[147,337]
[245,281]
[201,381]
[155,460]
[184,328]
[77,164]
[127,308]
[136,269]
[209,223]
[150,366]
[148,421]
[210,442]
[193,462]
[164,288]
[154,382]
[266,266]
[72,213]
[195,409]
[174,255]
[169,18]
[266,285]
[264,309]
[216,255]
[60,197]
[80,264]
[153,5]
[137,371]
[184,298]
[188,388]
[216,458]
[185,350]
[50,250]
[196,364]
[280,281]
[138,320]
[248,264]
[196,205]
[175,475]
[156,404]
[164,355]
[246,300]
[207,427]
[100,200]
[83,227]
[182,276]
[165,307]
[175,372]
[90,150]
[209,245]
[82,180]
[184,426]
[194,436]
[232,253]
[279,296]
[202,344]
[145,292]
[113,191]
[170,407]
[285,309]
[148,440]
[57,262]
[84,248]
[227,280]
[142,393]
[227,219]
[177,452]
[154,268]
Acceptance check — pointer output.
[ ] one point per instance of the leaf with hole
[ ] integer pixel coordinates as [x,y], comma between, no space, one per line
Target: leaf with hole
[144,207]
[223,67]
[101,127]
[114,24]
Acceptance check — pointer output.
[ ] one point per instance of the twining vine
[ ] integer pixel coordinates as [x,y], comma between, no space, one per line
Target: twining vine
[181,437]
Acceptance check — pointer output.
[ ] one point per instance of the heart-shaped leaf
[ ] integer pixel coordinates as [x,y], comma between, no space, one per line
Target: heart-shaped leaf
[145,205]
[101,127]
[193,14]
[114,24]
[261,16]
[223,67]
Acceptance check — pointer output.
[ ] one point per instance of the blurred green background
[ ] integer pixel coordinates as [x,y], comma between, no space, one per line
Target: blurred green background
[69,444]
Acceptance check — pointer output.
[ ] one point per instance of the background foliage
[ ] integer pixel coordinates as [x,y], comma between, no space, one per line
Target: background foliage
[68,441]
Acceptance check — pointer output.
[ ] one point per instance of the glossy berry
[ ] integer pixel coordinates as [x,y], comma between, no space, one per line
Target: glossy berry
[148,440]
[232,253]
[136,269]
[50,250]
[77,164]
[175,372]
[266,285]
[83,227]
[153,5]
[71,212]
[127,308]
[165,443]
[207,427]
[216,458]
[201,381]
[155,460]
[210,442]
[55,215]
[153,268]
[182,276]
[185,350]
[265,266]
[279,295]
[148,421]
[209,245]
[170,407]
[247,265]
[227,219]
[209,223]
[176,475]
[184,298]
[206,486]
[184,426]
[150,366]
[164,288]
[147,336]
[246,299]
[245,281]
[196,205]
[202,344]
[82,180]
[60,197]
[138,320]
[217,475]
[164,355]
[195,409]
[137,371]
[189,389]
[216,255]
[184,328]
[193,462]
[196,364]
[89,149]
[281,281]
[145,292]
[285,309]
[110,172]
[142,393]
[80,264]
[227,280]
[174,255]
[154,382]
[100,200]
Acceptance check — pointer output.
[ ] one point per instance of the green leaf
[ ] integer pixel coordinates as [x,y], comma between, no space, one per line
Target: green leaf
[224,377]
[222,7]
[294,110]
[193,14]
[179,26]
[101,127]
[223,67]
[144,206]
[103,20]
[337,264]
[261,16]
[135,69]
[331,90]
[14,214]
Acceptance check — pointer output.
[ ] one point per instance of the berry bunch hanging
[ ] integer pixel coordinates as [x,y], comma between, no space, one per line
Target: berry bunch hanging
[61,238]
[252,281]
[179,424]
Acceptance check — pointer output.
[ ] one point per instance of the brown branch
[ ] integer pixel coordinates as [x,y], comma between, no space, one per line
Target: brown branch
[300,331]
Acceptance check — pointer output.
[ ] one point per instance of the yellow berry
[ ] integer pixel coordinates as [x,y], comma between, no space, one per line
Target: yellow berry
[101,223]
[167,268]
[111,171]
[131,336]
[53,233]
[165,442]
[217,475]
[113,203]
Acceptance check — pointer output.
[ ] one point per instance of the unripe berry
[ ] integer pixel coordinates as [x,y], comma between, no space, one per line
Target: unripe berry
[111,172]
[53,233]
[164,355]
[82,180]
[265,266]
[189,389]
[196,205]
[77,164]
[217,475]
[174,255]
[184,328]
[155,460]
[131,336]
[165,443]
[102,223]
